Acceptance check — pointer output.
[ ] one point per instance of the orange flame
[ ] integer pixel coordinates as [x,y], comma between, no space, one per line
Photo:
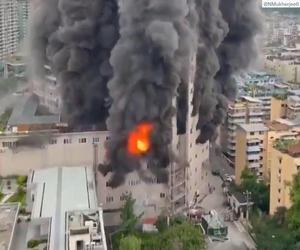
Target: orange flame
[139,141]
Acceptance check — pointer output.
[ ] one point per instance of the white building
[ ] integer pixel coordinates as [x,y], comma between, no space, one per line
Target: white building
[65,209]
[9,30]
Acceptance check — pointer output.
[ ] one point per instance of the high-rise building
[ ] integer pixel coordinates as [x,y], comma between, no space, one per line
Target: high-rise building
[245,110]
[23,18]
[9,30]
[250,145]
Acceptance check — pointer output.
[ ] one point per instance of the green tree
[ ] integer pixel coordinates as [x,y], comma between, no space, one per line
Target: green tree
[182,237]
[128,217]
[294,211]
[270,236]
[259,191]
[130,243]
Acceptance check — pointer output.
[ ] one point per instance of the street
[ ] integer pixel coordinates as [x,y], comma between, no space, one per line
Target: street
[238,238]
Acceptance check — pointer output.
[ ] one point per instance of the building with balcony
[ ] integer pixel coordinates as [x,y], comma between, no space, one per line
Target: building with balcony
[245,110]
[9,30]
[285,164]
[250,146]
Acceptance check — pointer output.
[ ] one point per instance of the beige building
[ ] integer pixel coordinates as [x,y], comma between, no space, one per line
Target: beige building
[246,110]
[250,146]
[285,164]
[288,67]
[276,129]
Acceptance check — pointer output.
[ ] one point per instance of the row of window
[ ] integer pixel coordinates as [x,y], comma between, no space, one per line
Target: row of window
[80,140]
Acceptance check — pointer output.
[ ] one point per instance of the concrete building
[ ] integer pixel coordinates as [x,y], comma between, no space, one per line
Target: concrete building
[246,110]
[285,164]
[64,209]
[23,18]
[276,129]
[250,146]
[285,106]
[8,219]
[288,67]
[9,30]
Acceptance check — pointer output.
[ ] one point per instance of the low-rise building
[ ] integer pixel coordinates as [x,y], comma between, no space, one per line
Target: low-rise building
[63,202]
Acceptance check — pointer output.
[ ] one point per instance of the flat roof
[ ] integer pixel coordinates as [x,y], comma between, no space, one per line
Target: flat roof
[277,126]
[24,113]
[59,190]
[253,127]
[251,99]
[8,218]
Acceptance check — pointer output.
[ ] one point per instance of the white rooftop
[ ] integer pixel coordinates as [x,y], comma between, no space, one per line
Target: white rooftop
[253,127]
[59,190]
[251,99]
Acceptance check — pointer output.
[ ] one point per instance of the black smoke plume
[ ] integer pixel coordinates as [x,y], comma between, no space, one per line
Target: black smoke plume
[227,31]
[135,58]
[75,38]
[149,62]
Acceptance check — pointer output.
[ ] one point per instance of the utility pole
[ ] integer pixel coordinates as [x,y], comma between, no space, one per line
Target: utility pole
[248,194]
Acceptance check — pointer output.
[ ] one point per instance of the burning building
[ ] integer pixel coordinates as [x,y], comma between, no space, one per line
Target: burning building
[157,73]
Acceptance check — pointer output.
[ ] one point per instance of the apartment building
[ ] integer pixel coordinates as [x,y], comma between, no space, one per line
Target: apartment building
[277,129]
[250,146]
[288,67]
[9,30]
[285,106]
[23,18]
[285,164]
[245,110]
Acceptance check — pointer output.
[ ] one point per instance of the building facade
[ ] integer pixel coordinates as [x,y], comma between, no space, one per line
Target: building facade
[250,146]
[245,110]
[285,164]
[9,30]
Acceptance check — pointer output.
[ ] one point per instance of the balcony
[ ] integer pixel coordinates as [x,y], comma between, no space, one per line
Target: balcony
[253,149]
[253,165]
[254,157]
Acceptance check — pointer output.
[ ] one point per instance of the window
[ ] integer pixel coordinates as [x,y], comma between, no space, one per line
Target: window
[123,197]
[196,156]
[107,137]
[82,140]
[280,160]
[53,141]
[162,195]
[261,132]
[9,144]
[279,190]
[298,168]
[67,141]
[279,171]
[279,200]
[251,133]
[109,199]
[96,140]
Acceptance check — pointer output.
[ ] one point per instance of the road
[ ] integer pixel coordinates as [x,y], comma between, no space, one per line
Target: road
[238,238]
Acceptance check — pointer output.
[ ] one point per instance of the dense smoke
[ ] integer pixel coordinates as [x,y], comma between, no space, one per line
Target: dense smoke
[227,31]
[149,61]
[75,38]
[134,60]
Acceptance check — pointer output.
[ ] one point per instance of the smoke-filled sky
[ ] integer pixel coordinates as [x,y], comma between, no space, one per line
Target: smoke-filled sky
[126,63]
